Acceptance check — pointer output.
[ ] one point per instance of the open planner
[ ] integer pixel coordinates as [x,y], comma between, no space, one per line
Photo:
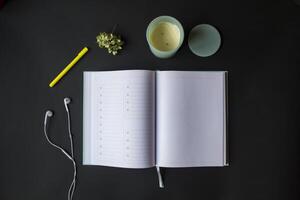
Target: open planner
[143,118]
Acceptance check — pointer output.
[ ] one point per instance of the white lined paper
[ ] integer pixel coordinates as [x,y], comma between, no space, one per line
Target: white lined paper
[122,110]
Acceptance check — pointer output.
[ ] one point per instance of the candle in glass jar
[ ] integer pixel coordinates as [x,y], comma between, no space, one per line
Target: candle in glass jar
[165,36]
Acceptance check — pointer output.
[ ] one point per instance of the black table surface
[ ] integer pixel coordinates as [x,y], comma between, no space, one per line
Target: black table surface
[260,50]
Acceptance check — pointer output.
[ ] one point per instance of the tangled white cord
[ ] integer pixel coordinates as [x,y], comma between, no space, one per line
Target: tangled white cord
[71,157]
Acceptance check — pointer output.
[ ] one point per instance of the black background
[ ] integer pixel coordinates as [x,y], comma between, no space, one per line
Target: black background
[260,50]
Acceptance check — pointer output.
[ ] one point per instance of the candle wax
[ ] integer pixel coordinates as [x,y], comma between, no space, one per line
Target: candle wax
[165,37]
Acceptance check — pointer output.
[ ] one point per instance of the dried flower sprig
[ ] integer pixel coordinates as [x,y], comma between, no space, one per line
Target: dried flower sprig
[113,43]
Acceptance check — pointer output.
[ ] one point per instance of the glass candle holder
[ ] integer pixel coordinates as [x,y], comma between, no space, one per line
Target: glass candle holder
[165,36]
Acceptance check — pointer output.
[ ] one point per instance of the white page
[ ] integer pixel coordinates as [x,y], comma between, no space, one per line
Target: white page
[119,124]
[190,118]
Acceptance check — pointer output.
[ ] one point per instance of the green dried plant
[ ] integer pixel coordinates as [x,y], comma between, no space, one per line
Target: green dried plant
[113,43]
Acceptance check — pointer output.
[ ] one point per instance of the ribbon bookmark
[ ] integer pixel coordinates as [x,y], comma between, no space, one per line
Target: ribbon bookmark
[161,182]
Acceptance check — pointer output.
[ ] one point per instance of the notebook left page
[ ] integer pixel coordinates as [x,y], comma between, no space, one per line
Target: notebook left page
[118,118]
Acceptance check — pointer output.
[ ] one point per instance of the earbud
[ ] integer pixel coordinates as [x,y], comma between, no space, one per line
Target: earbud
[67,100]
[49,113]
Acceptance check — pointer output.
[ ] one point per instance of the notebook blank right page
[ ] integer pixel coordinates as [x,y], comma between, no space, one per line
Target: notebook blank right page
[191,118]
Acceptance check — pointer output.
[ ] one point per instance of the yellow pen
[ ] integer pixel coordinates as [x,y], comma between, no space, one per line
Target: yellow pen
[68,67]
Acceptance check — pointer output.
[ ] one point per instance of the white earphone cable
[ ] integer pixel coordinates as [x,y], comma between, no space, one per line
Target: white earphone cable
[73,184]
[71,157]
[54,145]
[64,152]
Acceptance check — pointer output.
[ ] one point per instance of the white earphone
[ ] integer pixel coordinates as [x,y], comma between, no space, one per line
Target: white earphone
[67,100]
[49,113]
[70,156]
